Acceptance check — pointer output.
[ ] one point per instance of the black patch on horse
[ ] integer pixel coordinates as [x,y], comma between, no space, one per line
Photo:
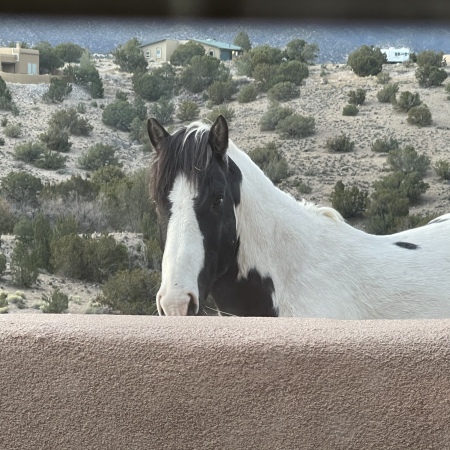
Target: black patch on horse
[251,296]
[407,245]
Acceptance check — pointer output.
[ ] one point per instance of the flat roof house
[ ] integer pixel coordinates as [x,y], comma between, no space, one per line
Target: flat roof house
[396,55]
[162,50]
[19,60]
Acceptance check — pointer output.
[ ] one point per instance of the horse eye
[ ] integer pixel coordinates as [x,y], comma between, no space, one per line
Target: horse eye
[217,202]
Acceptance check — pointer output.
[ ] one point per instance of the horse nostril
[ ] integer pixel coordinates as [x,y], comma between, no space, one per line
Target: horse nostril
[192,306]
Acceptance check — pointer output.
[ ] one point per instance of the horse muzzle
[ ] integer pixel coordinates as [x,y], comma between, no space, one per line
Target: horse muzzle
[185,304]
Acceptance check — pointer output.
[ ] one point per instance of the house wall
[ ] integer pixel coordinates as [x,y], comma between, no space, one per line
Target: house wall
[135,382]
[26,79]
[16,59]
[166,47]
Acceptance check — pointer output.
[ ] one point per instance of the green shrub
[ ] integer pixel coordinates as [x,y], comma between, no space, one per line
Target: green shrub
[366,61]
[57,91]
[283,91]
[69,52]
[67,120]
[340,144]
[419,115]
[428,76]
[348,201]
[296,126]
[21,188]
[74,187]
[4,121]
[201,72]
[150,86]
[2,271]
[223,110]
[357,97]
[385,210]
[50,160]
[163,111]
[56,140]
[442,169]
[129,56]
[7,218]
[247,94]
[131,292]
[86,75]
[28,152]
[23,266]
[302,187]
[383,78]
[13,130]
[81,108]
[388,93]
[6,101]
[407,184]
[300,50]
[188,111]
[274,114]
[185,52]
[350,110]
[221,91]
[2,142]
[384,145]
[242,40]
[55,303]
[138,132]
[119,115]
[407,100]
[430,58]
[120,95]
[293,71]
[97,156]
[266,76]
[271,162]
[408,160]
[88,258]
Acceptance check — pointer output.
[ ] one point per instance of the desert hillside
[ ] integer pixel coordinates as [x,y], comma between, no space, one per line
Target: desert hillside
[322,96]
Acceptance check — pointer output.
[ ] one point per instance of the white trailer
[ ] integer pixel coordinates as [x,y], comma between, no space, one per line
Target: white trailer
[396,55]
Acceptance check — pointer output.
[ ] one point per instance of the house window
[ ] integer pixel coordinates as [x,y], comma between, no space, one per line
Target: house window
[147,54]
[32,69]
[211,52]
[158,52]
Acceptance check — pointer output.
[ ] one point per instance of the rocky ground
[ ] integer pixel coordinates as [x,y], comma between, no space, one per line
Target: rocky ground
[323,97]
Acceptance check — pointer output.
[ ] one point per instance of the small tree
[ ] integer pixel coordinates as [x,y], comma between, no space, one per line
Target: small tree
[69,52]
[420,115]
[366,61]
[293,71]
[271,162]
[296,126]
[21,188]
[283,92]
[388,93]
[55,303]
[28,152]
[428,76]
[242,40]
[49,60]
[340,143]
[408,160]
[274,114]
[357,97]
[348,201]
[119,115]
[442,169]
[430,58]
[24,269]
[222,110]
[56,139]
[350,110]
[407,100]
[13,130]
[247,94]
[185,52]
[384,145]
[57,91]
[300,50]
[188,110]
[129,56]
[131,292]
[97,156]
[221,91]
[68,120]
[163,111]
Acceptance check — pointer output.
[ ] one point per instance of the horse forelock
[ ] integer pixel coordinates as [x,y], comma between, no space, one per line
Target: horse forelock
[186,151]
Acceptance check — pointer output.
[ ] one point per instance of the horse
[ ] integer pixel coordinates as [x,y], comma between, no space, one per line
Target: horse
[227,231]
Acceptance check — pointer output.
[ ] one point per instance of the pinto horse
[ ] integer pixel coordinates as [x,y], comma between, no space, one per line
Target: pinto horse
[228,232]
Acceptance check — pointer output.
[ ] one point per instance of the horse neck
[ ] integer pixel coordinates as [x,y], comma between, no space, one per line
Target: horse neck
[271,222]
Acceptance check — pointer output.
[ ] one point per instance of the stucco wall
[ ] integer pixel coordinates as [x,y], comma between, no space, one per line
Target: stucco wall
[25,79]
[132,383]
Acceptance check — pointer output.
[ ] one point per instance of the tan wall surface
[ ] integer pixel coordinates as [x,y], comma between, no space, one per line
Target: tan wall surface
[132,383]
[26,79]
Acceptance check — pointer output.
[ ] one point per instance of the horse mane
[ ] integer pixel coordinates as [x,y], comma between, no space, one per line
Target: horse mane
[185,151]
[326,211]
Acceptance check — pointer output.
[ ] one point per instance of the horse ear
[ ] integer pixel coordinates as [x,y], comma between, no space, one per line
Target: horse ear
[218,136]
[156,132]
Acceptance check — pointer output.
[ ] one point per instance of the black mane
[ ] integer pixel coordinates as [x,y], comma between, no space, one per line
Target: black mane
[186,151]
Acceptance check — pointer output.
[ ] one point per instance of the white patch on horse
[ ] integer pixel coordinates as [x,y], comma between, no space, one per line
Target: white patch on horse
[184,252]
[326,268]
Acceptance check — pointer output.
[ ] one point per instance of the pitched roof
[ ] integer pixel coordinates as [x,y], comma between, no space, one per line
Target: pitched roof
[218,44]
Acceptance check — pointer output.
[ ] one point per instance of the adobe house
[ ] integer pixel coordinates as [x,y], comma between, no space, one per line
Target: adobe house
[162,50]
[19,60]
[396,55]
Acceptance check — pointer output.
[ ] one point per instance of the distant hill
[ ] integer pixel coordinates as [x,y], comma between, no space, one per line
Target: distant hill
[336,39]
